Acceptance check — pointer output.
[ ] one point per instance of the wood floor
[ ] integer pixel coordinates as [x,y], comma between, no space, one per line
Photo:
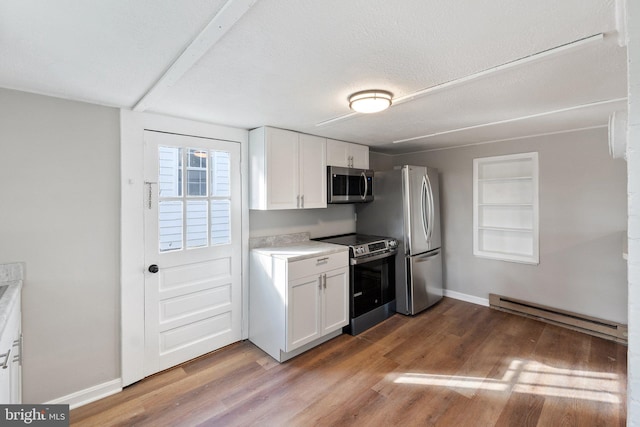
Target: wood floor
[457,364]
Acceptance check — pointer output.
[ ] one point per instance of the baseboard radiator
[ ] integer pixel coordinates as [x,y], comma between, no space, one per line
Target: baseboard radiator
[578,322]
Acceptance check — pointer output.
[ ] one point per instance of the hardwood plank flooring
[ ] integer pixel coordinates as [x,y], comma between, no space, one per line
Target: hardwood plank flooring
[457,364]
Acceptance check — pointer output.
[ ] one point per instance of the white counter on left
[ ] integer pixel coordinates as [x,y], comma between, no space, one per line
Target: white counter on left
[11,276]
[301,250]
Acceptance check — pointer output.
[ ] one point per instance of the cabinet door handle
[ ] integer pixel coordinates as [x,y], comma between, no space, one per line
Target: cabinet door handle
[298,201]
[324,279]
[320,282]
[319,260]
[18,357]
[302,201]
[6,359]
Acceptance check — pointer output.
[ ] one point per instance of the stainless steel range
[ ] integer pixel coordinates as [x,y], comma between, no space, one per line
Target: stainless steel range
[372,279]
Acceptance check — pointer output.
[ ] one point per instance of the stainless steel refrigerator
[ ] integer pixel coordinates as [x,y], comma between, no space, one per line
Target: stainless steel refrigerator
[406,206]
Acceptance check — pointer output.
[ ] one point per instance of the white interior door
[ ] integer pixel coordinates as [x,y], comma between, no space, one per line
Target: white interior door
[192,239]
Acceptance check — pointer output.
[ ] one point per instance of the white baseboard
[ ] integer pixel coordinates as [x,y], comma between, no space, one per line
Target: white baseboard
[465,297]
[89,395]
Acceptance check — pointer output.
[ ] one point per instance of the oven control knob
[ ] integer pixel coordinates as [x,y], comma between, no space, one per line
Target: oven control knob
[359,250]
[393,243]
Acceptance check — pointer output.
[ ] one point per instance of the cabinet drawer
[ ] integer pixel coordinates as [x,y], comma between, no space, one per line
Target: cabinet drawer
[317,265]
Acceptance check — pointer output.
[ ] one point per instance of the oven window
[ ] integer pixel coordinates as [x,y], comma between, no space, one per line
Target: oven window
[372,285]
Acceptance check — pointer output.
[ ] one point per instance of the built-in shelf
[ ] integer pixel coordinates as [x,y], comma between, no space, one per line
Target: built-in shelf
[513,178]
[505,208]
[505,204]
[521,230]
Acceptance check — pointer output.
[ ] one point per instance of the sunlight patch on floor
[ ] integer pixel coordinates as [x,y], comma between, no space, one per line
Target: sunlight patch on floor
[529,377]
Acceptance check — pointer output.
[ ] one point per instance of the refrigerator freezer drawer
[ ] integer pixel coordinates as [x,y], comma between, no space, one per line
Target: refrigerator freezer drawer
[424,280]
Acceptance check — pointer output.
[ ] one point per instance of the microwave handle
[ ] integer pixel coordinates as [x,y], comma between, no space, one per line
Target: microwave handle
[366,185]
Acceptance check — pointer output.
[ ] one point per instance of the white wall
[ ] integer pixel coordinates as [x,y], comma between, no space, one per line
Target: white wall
[582,220]
[335,219]
[59,186]
[633,159]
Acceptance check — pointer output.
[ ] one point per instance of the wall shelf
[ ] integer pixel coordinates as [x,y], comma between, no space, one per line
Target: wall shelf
[513,178]
[505,204]
[522,230]
[505,208]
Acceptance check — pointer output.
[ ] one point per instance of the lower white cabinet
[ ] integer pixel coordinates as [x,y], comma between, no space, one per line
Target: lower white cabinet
[318,305]
[296,305]
[11,358]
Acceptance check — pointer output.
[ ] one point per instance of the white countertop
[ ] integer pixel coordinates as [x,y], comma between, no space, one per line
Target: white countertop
[11,276]
[301,250]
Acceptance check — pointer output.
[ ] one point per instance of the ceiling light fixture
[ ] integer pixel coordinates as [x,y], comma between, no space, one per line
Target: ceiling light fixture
[370,101]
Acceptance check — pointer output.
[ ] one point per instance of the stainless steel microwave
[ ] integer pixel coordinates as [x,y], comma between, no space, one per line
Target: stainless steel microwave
[349,185]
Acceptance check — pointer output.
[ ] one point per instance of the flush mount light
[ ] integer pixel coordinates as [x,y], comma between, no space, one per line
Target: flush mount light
[370,101]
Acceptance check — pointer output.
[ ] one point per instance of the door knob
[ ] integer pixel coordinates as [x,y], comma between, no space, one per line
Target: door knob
[153,268]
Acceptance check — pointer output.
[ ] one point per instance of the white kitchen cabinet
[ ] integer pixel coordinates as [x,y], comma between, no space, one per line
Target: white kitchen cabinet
[295,305]
[347,155]
[312,156]
[318,306]
[288,170]
[10,357]
[303,311]
[335,300]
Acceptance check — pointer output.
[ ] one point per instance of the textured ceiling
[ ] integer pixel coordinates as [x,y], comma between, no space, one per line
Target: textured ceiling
[293,63]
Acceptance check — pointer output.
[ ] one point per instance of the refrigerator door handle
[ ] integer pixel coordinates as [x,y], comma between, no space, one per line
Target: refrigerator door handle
[428,255]
[432,217]
[423,196]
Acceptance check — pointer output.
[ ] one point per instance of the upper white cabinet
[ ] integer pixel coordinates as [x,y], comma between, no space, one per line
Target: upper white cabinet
[288,170]
[347,155]
[505,208]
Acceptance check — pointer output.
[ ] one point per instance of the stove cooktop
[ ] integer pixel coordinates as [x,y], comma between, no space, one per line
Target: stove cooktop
[353,239]
[362,244]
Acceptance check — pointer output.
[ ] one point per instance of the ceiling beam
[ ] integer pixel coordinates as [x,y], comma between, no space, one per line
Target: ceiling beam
[621,22]
[230,13]
[515,119]
[545,54]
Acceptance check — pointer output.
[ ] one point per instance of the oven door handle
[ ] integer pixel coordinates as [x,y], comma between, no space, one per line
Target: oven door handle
[356,261]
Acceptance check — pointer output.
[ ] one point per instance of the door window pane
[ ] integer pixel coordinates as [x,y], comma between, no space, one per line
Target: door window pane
[220,222]
[194,203]
[220,174]
[196,183]
[196,223]
[170,225]
[170,171]
[197,172]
